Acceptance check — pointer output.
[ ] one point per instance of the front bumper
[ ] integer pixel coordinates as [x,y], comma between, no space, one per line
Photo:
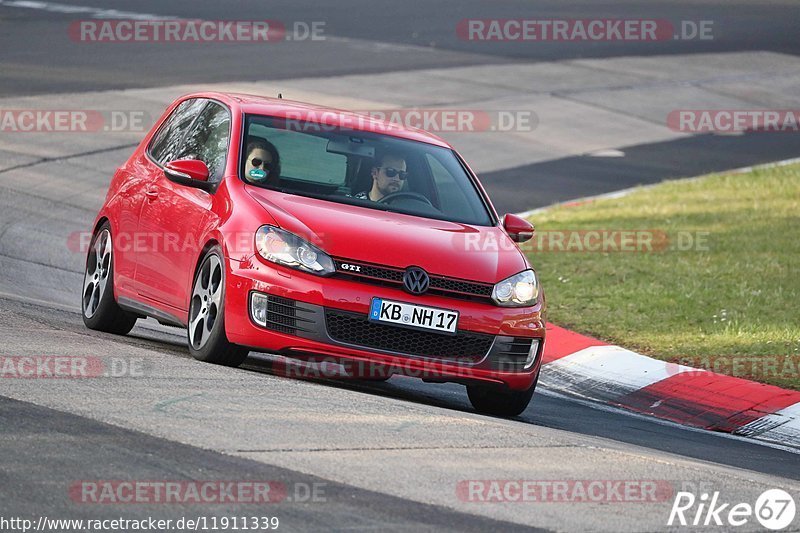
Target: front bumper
[313,317]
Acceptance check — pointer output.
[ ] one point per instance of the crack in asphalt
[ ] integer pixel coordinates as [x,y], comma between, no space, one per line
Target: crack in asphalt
[409,448]
[162,406]
[67,157]
[50,201]
[40,263]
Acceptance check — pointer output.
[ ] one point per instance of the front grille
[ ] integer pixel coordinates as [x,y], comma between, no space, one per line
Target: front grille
[440,283]
[356,329]
[393,277]
[381,273]
[510,353]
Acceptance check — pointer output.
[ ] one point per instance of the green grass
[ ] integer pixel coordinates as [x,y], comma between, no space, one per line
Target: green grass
[732,304]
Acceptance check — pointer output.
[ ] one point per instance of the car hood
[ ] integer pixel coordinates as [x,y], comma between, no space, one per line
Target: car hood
[348,232]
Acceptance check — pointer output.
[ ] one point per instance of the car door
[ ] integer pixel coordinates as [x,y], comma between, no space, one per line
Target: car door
[174,217]
[137,177]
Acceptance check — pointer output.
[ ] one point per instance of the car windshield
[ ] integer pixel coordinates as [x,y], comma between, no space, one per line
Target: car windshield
[361,168]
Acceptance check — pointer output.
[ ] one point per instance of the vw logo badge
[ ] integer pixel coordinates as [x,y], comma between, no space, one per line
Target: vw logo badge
[416,280]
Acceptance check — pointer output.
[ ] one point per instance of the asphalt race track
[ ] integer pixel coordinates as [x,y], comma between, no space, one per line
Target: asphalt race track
[389,456]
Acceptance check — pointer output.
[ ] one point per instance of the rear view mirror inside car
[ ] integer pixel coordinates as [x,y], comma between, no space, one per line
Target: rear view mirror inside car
[350,146]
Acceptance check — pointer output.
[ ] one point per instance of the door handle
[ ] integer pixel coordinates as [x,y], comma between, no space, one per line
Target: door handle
[151,194]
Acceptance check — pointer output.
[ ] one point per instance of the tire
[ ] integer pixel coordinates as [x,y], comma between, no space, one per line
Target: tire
[98,306]
[206,330]
[499,400]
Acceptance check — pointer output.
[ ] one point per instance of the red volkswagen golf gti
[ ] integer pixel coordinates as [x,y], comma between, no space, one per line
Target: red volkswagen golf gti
[275,226]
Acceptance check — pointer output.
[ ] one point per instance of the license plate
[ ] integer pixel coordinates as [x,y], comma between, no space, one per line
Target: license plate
[413,316]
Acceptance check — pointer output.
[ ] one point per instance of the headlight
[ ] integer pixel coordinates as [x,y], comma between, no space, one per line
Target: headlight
[284,248]
[519,290]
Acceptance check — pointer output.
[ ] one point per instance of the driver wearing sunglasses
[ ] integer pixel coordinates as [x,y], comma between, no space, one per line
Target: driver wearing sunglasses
[262,164]
[387,177]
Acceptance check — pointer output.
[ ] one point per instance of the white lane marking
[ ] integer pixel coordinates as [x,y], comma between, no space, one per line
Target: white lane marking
[622,370]
[792,410]
[94,12]
[604,373]
[593,404]
[607,153]
[782,425]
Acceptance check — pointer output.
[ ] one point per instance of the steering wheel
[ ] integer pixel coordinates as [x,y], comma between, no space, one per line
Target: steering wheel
[404,194]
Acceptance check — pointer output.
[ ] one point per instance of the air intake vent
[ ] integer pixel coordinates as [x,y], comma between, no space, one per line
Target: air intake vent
[510,353]
[356,329]
[280,314]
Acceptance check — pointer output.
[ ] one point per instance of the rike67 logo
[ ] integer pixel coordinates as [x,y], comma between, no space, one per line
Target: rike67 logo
[774,509]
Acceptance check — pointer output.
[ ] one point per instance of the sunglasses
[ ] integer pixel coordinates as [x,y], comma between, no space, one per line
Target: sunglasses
[392,172]
[256,162]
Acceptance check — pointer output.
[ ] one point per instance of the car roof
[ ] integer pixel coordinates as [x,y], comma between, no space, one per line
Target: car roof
[302,111]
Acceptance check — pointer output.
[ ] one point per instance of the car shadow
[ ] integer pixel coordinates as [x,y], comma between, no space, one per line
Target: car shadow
[546,410]
[575,416]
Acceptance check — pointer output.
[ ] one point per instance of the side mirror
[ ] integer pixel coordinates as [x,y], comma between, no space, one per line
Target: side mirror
[519,229]
[189,172]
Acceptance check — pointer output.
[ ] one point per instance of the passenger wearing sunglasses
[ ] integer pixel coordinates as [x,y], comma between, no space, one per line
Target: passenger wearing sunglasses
[387,177]
[263,164]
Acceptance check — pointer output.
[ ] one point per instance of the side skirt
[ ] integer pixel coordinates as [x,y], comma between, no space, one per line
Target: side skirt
[135,306]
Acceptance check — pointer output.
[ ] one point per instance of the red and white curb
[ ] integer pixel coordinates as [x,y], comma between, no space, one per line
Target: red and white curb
[586,367]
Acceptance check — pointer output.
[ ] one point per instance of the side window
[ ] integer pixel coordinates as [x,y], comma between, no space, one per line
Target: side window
[208,140]
[165,144]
